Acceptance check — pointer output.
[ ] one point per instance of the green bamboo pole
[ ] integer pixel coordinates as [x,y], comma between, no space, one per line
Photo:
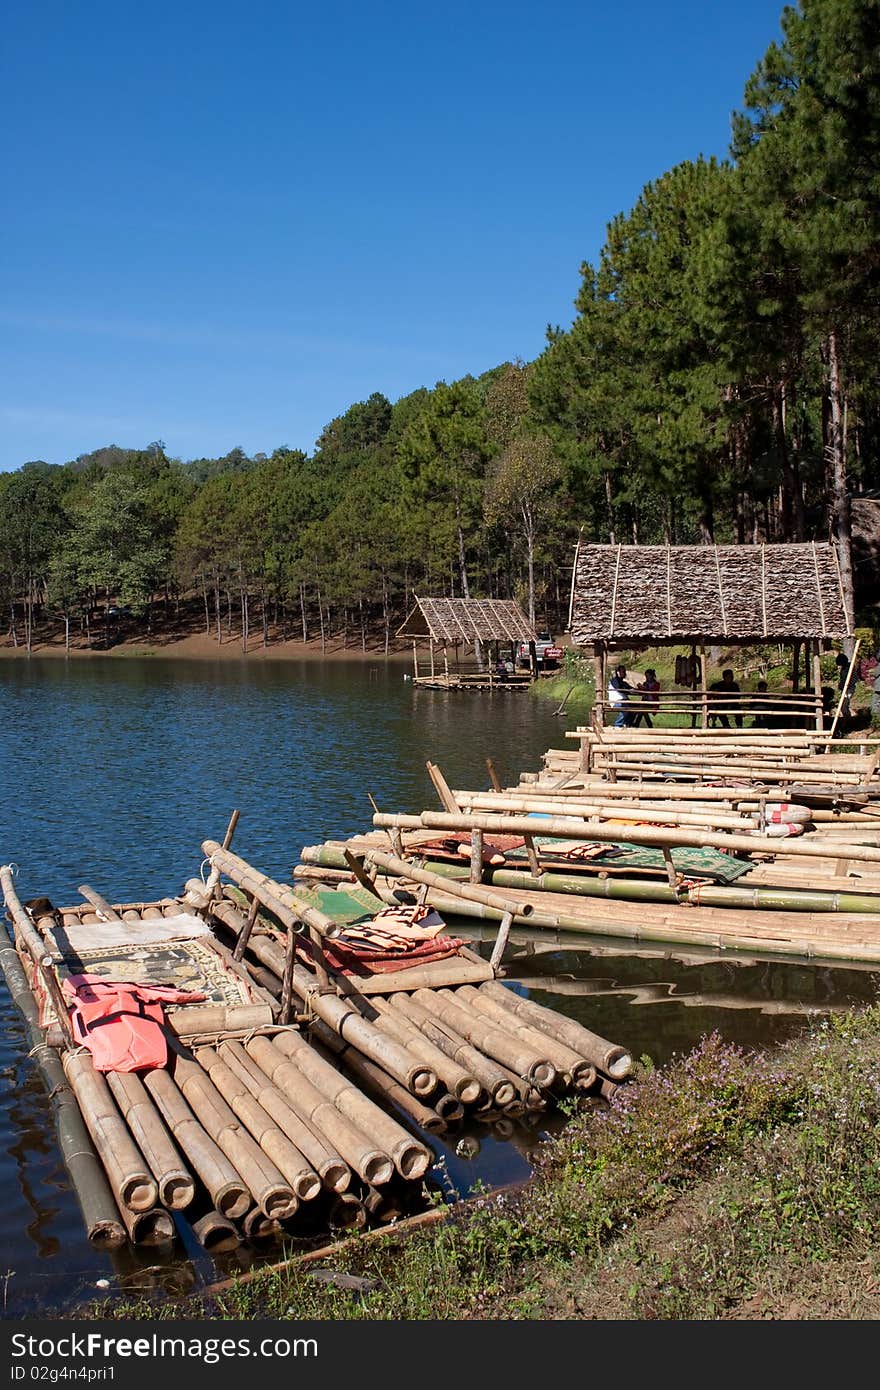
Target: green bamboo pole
[88,1180]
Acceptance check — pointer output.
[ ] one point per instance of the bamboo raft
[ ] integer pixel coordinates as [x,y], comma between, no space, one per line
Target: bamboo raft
[629,856]
[296,1096]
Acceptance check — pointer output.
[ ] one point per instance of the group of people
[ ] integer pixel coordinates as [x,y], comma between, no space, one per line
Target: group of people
[634,704]
[620,698]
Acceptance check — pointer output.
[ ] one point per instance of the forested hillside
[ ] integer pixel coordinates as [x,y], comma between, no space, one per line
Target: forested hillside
[720,381]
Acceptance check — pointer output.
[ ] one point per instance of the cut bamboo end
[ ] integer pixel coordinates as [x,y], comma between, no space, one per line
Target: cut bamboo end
[215,1232]
[450,1108]
[347,1212]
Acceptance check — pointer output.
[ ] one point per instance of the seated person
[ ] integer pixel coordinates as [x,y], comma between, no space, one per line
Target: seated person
[726,687]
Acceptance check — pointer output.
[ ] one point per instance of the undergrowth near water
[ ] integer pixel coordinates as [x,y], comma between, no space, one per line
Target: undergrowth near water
[728,1184]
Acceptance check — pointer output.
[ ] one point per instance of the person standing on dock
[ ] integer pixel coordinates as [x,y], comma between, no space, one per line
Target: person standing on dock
[650,692]
[618,690]
[726,686]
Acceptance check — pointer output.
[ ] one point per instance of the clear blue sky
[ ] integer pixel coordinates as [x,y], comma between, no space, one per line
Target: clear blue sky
[224,223]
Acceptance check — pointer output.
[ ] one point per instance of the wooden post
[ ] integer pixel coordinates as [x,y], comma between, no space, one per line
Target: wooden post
[245,933]
[844,692]
[100,902]
[670,868]
[441,786]
[532,853]
[287,980]
[476,855]
[501,940]
[493,775]
[817,690]
[703,693]
[432,658]
[357,867]
[445,663]
[533,658]
[230,829]
[598,712]
[415,663]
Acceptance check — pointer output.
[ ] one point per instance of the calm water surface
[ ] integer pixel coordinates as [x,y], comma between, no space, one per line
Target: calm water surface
[113,771]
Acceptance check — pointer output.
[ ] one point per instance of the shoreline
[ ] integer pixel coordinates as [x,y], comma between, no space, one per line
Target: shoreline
[201,647]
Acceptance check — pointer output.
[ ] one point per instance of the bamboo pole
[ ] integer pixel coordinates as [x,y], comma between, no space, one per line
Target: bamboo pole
[357,1149]
[37,950]
[130,1179]
[441,786]
[345,1020]
[607,1057]
[558,827]
[225,1187]
[271,1191]
[379,1083]
[100,902]
[565,1059]
[491,1040]
[330,1166]
[410,1158]
[463,1085]
[175,1185]
[88,1179]
[196,1022]
[286,1156]
[484,1069]
[469,891]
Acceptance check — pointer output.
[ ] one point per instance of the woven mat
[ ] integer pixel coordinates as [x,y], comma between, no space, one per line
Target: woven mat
[709,864]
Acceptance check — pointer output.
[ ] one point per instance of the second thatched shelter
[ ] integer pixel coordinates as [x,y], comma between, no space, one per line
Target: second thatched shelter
[630,596]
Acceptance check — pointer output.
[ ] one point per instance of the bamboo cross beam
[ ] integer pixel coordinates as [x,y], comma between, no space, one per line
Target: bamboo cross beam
[468,891]
[689,838]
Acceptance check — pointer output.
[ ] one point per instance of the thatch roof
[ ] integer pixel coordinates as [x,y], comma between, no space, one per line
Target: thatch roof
[452,620]
[663,593]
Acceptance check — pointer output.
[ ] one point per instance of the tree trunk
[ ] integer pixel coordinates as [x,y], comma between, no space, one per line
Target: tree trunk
[207,609]
[302,610]
[841,510]
[609,498]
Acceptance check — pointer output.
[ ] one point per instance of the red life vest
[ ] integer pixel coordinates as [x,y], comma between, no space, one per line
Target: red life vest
[121,1023]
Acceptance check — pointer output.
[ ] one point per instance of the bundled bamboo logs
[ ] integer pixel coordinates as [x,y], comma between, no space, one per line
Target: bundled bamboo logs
[272,1140]
[229,1194]
[131,1181]
[330,1166]
[103,1226]
[271,1191]
[175,1184]
[607,1057]
[410,1158]
[359,1150]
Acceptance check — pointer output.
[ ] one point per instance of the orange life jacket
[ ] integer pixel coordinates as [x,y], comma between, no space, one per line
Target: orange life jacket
[121,1023]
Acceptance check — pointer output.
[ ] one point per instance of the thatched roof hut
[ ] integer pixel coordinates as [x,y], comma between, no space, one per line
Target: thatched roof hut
[660,594]
[451,621]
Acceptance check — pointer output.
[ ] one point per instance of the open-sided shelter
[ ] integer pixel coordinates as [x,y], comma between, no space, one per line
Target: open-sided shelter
[465,622]
[632,596]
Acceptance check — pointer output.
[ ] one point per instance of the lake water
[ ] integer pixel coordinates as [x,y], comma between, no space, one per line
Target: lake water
[113,771]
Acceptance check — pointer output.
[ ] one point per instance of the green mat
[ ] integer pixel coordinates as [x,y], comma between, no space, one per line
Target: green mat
[694,863]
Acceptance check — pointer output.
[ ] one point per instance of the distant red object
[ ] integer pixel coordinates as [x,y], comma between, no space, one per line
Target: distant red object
[553,653]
